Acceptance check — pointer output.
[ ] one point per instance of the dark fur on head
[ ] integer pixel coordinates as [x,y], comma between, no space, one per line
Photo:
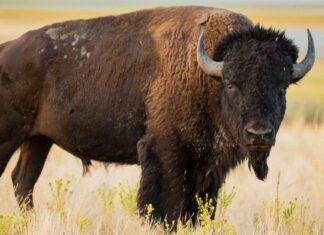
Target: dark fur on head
[255,33]
[257,71]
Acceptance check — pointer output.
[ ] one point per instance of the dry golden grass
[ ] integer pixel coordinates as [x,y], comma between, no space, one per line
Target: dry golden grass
[298,156]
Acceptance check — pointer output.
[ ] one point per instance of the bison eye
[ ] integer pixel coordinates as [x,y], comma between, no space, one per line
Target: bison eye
[229,86]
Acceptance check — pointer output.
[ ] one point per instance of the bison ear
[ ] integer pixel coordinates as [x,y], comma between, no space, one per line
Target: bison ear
[296,80]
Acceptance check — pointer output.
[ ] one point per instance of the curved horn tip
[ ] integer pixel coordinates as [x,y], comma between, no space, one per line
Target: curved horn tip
[307,63]
[310,38]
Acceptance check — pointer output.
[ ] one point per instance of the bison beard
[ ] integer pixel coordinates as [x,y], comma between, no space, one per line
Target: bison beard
[258,161]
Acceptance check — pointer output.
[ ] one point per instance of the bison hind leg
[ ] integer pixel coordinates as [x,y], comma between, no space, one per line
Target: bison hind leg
[149,190]
[33,153]
[7,149]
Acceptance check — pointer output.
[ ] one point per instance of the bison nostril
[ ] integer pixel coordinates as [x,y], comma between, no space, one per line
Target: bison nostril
[259,132]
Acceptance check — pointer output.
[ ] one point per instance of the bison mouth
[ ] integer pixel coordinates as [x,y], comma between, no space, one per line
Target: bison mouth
[259,147]
[258,156]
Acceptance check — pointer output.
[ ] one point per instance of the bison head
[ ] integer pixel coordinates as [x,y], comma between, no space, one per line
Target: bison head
[255,68]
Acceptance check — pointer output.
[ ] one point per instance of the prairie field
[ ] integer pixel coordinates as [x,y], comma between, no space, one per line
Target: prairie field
[290,201]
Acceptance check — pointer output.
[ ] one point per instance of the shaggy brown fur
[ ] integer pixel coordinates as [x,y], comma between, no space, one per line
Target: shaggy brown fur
[89,86]
[98,88]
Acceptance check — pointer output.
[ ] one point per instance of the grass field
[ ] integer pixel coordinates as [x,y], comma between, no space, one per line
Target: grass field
[290,201]
[104,202]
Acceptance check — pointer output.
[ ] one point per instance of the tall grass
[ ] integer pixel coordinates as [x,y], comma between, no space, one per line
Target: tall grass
[105,202]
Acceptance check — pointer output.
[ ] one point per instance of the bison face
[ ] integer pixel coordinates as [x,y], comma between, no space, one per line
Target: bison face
[255,69]
[253,101]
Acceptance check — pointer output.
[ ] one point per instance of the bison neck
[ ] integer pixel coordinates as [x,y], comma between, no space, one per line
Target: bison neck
[228,153]
[217,150]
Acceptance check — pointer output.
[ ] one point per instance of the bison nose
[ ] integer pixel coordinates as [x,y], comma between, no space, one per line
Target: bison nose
[258,132]
[255,134]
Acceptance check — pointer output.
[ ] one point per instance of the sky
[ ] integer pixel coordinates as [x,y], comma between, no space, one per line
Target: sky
[94,3]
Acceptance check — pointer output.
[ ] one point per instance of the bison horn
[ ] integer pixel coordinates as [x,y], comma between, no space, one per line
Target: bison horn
[208,65]
[303,67]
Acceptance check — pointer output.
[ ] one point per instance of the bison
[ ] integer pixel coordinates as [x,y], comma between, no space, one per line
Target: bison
[138,88]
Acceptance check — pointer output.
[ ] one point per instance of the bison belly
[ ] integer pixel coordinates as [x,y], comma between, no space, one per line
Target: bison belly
[94,126]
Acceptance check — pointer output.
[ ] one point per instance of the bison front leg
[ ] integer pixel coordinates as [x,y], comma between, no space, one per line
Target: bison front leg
[163,183]
[208,192]
[174,198]
[149,191]
[32,157]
